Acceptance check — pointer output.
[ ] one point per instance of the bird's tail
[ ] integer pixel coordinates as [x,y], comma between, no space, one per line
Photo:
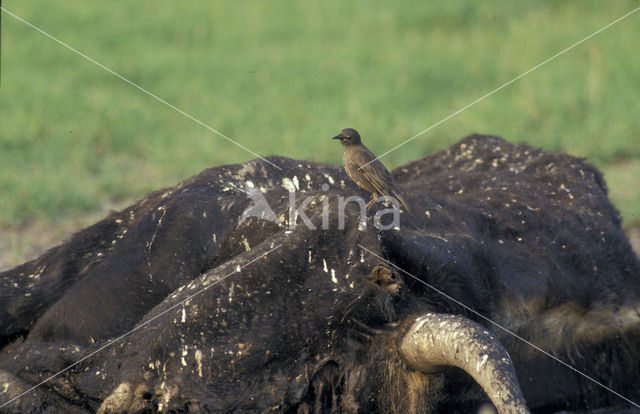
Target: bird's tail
[399,197]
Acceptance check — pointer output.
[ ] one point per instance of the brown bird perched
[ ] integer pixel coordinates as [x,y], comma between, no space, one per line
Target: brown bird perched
[365,169]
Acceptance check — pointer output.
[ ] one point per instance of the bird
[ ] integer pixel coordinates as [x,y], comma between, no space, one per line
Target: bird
[366,170]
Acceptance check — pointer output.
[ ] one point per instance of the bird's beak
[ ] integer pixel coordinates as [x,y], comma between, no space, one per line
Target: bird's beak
[338,137]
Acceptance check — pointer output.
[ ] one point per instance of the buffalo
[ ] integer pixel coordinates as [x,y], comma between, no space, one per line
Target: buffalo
[261,287]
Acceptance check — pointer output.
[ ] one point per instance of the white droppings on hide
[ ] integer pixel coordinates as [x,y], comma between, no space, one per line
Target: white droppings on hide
[288,185]
[247,168]
[185,352]
[118,398]
[329,178]
[350,256]
[231,292]
[167,393]
[198,357]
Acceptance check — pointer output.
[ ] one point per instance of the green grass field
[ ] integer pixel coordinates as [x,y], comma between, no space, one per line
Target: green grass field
[282,77]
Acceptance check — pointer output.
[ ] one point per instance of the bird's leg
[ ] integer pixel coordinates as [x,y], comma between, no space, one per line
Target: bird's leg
[372,202]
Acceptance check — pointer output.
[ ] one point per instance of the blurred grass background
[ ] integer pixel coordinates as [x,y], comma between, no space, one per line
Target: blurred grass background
[283,77]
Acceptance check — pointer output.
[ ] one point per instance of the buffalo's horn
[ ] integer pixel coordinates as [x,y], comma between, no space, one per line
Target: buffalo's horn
[439,340]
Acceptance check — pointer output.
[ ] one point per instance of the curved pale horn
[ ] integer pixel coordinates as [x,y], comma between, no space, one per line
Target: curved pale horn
[438,340]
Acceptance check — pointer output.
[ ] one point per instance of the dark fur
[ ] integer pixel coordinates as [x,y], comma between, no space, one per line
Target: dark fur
[523,236]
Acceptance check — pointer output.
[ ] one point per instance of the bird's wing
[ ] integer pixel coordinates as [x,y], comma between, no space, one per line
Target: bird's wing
[375,173]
